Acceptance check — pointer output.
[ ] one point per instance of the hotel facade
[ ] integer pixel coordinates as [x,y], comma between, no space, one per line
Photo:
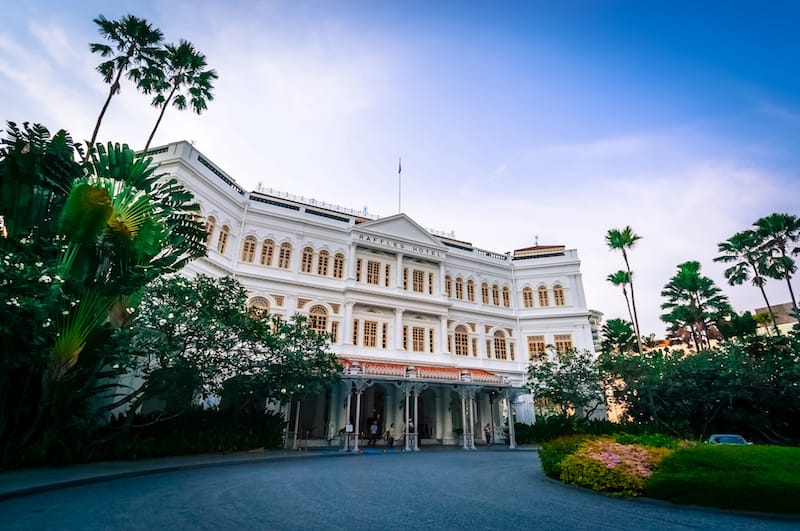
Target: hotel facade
[434,334]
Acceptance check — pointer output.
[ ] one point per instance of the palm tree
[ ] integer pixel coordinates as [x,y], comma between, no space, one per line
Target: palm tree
[618,336]
[138,52]
[622,278]
[743,249]
[184,69]
[779,232]
[622,240]
[694,303]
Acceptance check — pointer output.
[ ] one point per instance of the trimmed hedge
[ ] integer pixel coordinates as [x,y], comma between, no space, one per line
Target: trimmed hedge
[554,452]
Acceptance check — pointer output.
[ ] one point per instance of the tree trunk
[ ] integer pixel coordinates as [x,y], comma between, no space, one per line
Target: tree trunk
[769,308]
[633,302]
[160,116]
[111,91]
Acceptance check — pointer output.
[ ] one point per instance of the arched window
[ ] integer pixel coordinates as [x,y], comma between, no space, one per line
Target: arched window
[306,260]
[249,249]
[210,226]
[448,285]
[258,305]
[461,341]
[318,319]
[222,243]
[527,297]
[558,295]
[285,255]
[267,251]
[338,265]
[322,263]
[460,289]
[506,297]
[496,295]
[500,346]
[544,299]
[470,291]
[485,293]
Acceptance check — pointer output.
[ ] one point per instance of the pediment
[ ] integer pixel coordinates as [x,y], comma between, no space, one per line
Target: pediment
[400,228]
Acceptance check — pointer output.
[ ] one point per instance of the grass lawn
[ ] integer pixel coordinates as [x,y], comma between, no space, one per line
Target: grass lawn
[752,478]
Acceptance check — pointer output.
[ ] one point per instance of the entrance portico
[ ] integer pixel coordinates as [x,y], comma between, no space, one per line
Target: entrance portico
[426,404]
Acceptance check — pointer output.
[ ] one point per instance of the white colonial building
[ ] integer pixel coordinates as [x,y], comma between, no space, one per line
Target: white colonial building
[430,329]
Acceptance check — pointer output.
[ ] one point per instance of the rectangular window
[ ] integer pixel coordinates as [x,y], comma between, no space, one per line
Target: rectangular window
[370,334]
[485,293]
[405,278]
[459,289]
[387,275]
[430,283]
[418,339]
[285,256]
[419,281]
[338,266]
[489,348]
[358,270]
[355,331]
[511,350]
[431,340]
[322,264]
[373,272]
[267,248]
[474,346]
[450,343]
[405,338]
[334,331]
[470,291]
[563,342]
[384,335]
[536,349]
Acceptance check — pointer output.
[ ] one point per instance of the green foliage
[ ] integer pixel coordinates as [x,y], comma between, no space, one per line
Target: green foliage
[202,330]
[654,440]
[618,336]
[695,305]
[749,386]
[570,380]
[552,453]
[754,478]
[584,471]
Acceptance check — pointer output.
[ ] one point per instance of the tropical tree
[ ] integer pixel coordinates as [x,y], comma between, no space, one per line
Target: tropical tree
[779,233]
[749,261]
[622,240]
[694,303]
[89,237]
[135,50]
[618,336]
[622,279]
[184,71]
[194,337]
[570,380]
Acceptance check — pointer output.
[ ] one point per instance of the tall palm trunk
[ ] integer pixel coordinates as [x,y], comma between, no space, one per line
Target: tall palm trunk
[769,308]
[160,116]
[791,291]
[111,91]
[633,303]
[628,303]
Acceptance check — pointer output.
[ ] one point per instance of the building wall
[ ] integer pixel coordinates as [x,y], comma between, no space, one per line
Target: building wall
[412,323]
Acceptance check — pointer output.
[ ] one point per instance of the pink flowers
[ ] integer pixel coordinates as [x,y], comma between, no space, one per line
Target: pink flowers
[633,459]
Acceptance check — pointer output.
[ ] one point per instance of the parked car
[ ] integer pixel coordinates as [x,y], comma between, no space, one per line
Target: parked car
[727,438]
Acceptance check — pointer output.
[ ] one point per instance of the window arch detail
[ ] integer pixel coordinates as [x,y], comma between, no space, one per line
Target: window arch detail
[249,249]
[544,298]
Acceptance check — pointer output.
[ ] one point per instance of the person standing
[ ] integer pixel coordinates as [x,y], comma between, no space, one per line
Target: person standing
[487,434]
[373,433]
[391,435]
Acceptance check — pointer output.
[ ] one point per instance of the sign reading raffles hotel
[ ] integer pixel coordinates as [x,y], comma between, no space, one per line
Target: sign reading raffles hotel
[435,334]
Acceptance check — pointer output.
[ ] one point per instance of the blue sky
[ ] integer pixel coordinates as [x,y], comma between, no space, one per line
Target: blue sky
[554,119]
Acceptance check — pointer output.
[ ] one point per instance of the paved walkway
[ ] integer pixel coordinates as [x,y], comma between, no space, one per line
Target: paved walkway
[16,483]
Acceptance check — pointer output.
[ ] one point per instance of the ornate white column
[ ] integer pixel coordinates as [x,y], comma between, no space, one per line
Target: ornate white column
[398,276]
[351,262]
[407,444]
[443,339]
[356,428]
[296,425]
[347,328]
[512,438]
[464,429]
[398,329]
[416,420]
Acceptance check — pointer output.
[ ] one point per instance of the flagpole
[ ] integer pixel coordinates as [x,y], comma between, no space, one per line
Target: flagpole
[399,181]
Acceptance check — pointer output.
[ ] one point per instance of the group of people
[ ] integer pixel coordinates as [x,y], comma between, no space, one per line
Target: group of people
[391,434]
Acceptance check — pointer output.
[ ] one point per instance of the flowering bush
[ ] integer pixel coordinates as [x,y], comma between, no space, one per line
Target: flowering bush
[553,453]
[608,466]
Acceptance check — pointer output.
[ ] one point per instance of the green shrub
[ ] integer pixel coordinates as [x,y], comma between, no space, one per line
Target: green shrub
[583,471]
[654,440]
[553,453]
[755,478]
